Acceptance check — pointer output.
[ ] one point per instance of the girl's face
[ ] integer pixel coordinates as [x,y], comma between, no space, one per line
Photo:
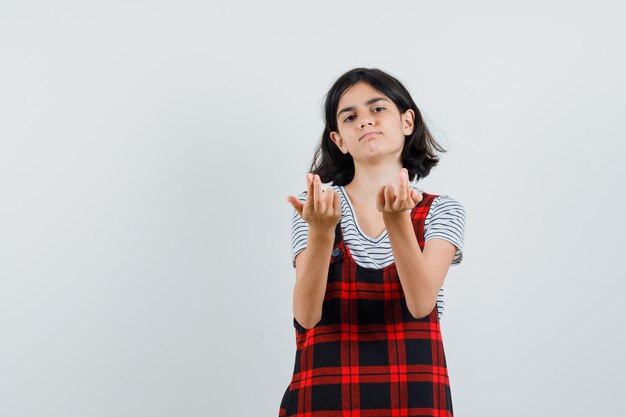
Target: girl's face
[370,124]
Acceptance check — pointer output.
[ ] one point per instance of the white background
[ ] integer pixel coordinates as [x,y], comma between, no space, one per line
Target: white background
[147,149]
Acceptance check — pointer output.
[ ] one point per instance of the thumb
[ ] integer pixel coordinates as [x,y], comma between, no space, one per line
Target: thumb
[336,202]
[417,196]
[296,204]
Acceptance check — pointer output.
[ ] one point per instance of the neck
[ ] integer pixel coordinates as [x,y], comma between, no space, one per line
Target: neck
[364,187]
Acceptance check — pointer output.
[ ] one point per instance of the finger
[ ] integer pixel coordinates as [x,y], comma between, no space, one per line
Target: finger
[336,204]
[403,193]
[398,203]
[380,198]
[308,203]
[328,201]
[318,203]
[408,182]
[390,194]
[411,193]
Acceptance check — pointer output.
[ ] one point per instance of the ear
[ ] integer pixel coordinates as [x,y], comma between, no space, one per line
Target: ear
[336,138]
[408,118]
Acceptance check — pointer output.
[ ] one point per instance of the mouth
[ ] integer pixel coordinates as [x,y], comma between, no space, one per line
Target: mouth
[369,135]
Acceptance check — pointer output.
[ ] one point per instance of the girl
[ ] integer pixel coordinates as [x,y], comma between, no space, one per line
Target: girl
[371,254]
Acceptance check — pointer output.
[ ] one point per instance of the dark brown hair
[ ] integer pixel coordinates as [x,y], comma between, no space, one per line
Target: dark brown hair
[419,152]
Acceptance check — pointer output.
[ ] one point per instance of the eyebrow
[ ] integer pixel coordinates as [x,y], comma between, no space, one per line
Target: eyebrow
[367,103]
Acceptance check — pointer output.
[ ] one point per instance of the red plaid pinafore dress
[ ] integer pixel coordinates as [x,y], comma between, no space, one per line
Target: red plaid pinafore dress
[368,356]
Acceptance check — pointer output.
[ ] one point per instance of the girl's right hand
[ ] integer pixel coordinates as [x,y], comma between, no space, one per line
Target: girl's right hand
[322,208]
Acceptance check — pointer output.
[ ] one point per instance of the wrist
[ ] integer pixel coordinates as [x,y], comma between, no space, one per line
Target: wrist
[321,234]
[397,217]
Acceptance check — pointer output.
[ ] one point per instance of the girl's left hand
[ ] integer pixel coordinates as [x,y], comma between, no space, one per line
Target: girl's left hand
[389,202]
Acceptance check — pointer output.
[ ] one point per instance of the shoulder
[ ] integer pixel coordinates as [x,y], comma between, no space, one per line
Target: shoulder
[302,195]
[446,215]
[446,220]
[445,205]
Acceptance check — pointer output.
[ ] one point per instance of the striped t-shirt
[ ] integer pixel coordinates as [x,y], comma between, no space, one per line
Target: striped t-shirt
[445,220]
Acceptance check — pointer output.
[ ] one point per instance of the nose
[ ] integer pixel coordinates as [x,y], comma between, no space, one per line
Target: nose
[366,120]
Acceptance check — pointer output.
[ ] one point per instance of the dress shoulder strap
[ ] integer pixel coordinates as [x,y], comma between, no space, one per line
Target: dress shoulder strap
[418,216]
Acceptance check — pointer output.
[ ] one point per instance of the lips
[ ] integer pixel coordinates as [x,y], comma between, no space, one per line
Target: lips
[368,135]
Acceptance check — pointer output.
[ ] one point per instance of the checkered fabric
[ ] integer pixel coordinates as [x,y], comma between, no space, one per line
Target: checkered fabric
[368,356]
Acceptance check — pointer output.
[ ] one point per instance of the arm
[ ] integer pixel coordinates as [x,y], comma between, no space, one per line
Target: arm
[322,211]
[311,275]
[421,274]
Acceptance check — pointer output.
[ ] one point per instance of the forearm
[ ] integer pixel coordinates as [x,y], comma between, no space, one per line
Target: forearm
[311,277]
[417,282]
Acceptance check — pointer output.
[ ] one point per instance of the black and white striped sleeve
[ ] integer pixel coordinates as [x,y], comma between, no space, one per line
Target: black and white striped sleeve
[446,220]
[299,232]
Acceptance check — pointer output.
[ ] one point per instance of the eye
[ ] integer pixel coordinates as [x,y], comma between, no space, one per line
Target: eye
[375,110]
